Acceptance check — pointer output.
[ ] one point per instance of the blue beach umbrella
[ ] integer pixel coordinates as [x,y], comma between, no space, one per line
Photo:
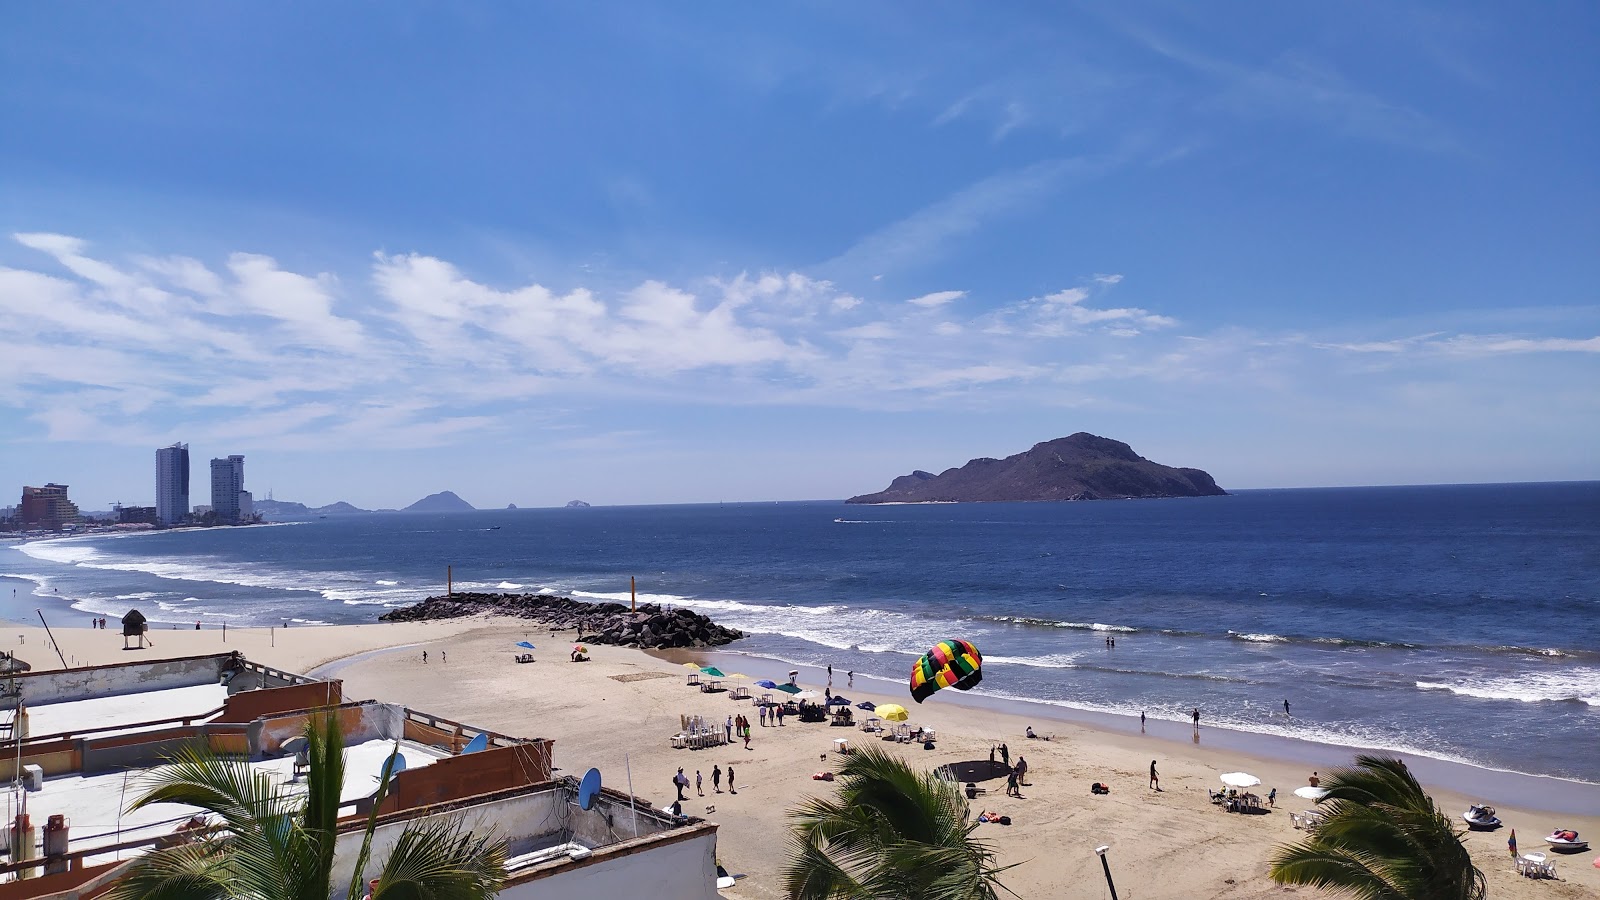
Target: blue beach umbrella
[769,685]
[867,705]
[837,700]
[526,644]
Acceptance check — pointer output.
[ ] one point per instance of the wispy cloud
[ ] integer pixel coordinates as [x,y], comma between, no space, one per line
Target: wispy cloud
[408,350]
[936,299]
[925,233]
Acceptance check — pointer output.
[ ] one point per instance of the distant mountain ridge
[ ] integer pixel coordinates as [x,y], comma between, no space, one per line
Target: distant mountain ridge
[289,511]
[1082,466]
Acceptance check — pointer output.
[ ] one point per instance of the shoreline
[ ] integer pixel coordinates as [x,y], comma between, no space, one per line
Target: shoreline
[1550,793]
[616,713]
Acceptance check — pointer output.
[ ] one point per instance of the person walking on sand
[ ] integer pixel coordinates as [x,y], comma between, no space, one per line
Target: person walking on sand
[699,786]
[443,658]
[1155,780]
[728,730]
[747,737]
[730,781]
[762,715]
[680,781]
[716,779]
[1011,785]
[424,657]
[1022,770]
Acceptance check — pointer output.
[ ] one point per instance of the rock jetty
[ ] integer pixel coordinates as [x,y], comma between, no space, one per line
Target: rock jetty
[650,628]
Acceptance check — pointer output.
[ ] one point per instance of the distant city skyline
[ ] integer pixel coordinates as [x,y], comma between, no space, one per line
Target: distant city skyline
[708,252]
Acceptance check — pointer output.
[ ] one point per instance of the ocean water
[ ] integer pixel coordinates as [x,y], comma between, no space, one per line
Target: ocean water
[1459,622]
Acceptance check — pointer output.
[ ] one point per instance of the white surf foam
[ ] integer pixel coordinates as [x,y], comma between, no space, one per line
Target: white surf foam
[1581,683]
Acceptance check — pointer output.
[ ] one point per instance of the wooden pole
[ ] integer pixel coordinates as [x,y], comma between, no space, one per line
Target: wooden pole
[633,595]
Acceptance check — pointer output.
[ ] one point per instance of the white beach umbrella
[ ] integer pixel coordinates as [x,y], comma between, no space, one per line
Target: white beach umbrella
[1240,780]
[807,695]
[1311,793]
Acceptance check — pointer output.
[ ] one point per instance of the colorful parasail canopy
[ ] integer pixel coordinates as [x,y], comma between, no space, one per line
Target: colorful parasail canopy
[951,663]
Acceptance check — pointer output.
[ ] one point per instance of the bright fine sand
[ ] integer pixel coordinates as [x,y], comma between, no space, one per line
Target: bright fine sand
[1172,844]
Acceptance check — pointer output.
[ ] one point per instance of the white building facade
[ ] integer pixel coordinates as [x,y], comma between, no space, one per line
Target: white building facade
[227,488]
[172,484]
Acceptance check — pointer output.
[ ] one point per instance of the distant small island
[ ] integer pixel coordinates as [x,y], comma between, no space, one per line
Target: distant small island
[1082,466]
[444,501]
[577,504]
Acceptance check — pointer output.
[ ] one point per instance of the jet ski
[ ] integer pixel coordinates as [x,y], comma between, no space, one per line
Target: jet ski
[1481,818]
[1566,840]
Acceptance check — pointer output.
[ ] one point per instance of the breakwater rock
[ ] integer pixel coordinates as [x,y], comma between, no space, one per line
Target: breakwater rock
[650,628]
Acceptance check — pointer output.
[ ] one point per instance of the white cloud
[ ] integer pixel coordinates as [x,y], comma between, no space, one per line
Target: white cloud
[936,299]
[1108,279]
[410,351]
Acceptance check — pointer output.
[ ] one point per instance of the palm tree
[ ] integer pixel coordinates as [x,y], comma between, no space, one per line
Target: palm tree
[889,832]
[270,844]
[1382,839]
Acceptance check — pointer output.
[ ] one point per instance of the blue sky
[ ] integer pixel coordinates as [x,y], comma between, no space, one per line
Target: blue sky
[691,252]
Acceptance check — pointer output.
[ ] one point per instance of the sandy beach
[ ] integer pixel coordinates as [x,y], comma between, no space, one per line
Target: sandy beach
[617,713]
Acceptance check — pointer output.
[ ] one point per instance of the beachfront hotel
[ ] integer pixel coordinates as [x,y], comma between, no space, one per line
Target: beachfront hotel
[47,507]
[229,500]
[78,742]
[172,484]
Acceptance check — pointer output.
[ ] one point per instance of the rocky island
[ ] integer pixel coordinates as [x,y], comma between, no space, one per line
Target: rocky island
[648,628]
[1082,466]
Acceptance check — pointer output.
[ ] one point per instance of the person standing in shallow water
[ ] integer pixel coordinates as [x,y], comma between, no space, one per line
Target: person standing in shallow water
[1196,717]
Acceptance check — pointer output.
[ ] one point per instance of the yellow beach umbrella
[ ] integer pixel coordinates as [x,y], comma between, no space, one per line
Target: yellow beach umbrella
[894,712]
[694,666]
[737,677]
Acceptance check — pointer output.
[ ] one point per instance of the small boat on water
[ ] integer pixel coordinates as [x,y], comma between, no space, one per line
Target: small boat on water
[1565,840]
[1480,817]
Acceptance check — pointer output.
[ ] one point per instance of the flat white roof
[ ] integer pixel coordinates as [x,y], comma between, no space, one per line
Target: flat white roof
[95,805]
[114,713]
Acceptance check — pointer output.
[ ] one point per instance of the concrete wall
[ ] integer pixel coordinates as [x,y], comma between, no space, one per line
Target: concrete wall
[684,869]
[114,680]
[360,722]
[495,769]
[681,870]
[251,705]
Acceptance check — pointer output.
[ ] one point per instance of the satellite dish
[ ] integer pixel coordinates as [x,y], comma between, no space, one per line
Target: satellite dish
[393,766]
[477,744]
[589,788]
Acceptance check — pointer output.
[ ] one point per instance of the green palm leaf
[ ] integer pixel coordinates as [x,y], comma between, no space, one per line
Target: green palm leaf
[890,831]
[277,844]
[1382,839]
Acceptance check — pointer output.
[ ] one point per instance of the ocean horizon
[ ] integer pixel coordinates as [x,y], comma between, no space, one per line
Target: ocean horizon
[1453,622]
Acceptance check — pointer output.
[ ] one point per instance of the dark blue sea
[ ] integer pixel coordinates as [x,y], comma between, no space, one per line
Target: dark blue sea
[1460,622]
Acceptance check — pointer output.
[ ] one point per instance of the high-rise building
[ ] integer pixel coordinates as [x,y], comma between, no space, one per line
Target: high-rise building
[227,489]
[47,507]
[172,484]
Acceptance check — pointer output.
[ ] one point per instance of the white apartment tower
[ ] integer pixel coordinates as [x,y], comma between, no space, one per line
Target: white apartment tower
[172,484]
[229,500]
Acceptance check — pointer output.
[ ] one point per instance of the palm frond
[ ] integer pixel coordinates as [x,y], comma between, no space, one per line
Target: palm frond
[1382,839]
[188,872]
[889,831]
[439,860]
